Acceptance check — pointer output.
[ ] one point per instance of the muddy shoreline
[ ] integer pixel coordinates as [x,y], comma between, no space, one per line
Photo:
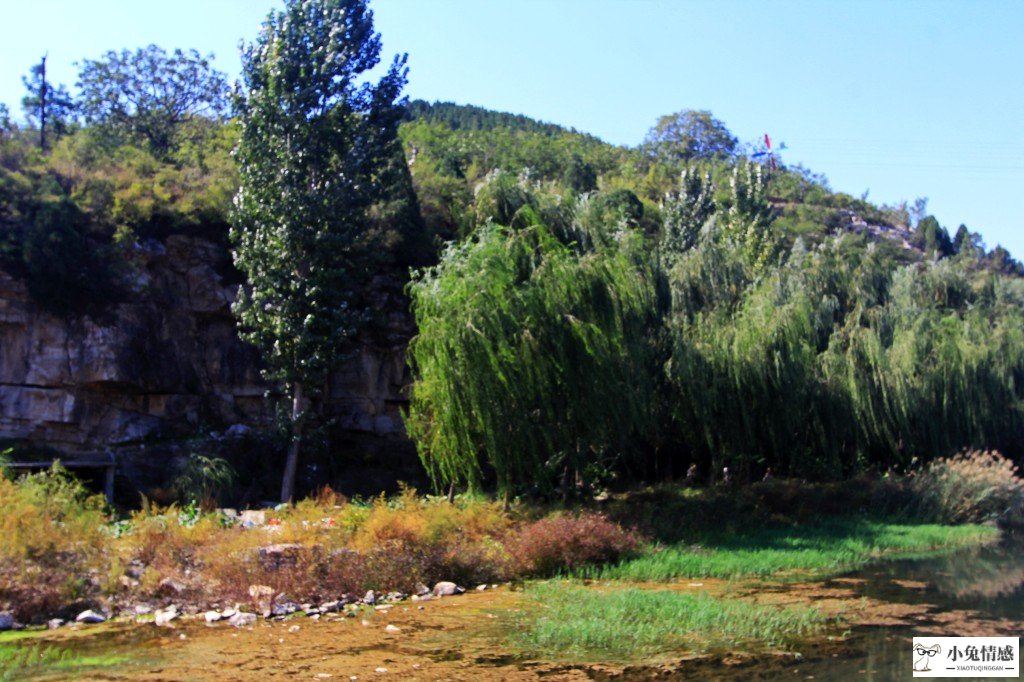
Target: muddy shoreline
[873,612]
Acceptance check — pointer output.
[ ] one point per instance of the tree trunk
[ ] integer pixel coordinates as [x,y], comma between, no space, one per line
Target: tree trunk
[42,105]
[291,464]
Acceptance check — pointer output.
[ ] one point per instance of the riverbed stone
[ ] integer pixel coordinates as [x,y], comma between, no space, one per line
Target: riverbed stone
[90,616]
[447,589]
[242,619]
[163,617]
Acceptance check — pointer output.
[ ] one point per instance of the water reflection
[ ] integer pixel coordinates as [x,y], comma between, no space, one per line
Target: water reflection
[985,585]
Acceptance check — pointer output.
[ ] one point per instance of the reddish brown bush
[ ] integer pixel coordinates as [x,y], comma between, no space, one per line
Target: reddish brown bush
[562,543]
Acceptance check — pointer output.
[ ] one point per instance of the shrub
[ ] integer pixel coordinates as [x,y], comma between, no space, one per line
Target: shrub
[561,543]
[203,479]
[49,539]
[973,486]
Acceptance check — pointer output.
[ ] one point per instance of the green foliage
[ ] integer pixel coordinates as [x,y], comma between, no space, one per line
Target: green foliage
[688,135]
[769,343]
[469,117]
[748,223]
[686,213]
[48,107]
[148,96]
[203,479]
[69,218]
[324,189]
[47,512]
[528,358]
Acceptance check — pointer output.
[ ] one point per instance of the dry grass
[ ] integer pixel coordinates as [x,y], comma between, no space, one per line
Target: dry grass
[974,486]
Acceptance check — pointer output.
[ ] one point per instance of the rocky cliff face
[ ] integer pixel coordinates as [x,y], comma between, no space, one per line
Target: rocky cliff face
[167,362]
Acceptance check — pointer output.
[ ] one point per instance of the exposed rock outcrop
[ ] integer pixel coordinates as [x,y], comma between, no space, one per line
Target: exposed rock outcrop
[167,361]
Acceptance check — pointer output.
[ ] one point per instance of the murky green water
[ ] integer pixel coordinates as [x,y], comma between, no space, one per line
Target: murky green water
[974,593]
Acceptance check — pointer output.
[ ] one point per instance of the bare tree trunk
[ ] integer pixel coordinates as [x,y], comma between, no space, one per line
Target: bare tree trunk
[291,464]
[451,493]
[42,105]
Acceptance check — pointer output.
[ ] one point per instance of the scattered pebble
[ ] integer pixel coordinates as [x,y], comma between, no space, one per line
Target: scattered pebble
[392,629]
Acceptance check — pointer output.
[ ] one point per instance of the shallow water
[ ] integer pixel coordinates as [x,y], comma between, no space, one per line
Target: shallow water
[972,593]
[975,592]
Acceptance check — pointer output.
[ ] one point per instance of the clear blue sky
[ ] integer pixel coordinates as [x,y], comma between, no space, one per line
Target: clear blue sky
[903,99]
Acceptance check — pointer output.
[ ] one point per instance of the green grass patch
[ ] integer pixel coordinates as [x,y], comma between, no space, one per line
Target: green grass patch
[18,662]
[818,548]
[626,624]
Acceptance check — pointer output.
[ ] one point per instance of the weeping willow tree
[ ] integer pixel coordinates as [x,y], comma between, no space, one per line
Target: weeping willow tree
[940,367]
[530,360]
[822,362]
[572,343]
[826,365]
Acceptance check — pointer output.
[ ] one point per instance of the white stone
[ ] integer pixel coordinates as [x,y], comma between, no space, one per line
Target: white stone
[242,620]
[447,589]
[90,616]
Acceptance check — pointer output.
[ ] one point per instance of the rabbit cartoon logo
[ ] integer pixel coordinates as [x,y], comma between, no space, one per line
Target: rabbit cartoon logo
[923,656]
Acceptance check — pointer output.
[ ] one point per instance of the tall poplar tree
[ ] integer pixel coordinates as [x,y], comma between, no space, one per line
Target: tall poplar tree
[317,153]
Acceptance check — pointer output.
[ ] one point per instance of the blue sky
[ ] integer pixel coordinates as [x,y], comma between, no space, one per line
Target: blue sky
[901,99]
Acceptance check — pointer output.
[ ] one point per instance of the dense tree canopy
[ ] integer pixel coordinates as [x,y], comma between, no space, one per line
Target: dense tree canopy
[817,361]
[317,152]
[530,358]
[689,135]
[149,94]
